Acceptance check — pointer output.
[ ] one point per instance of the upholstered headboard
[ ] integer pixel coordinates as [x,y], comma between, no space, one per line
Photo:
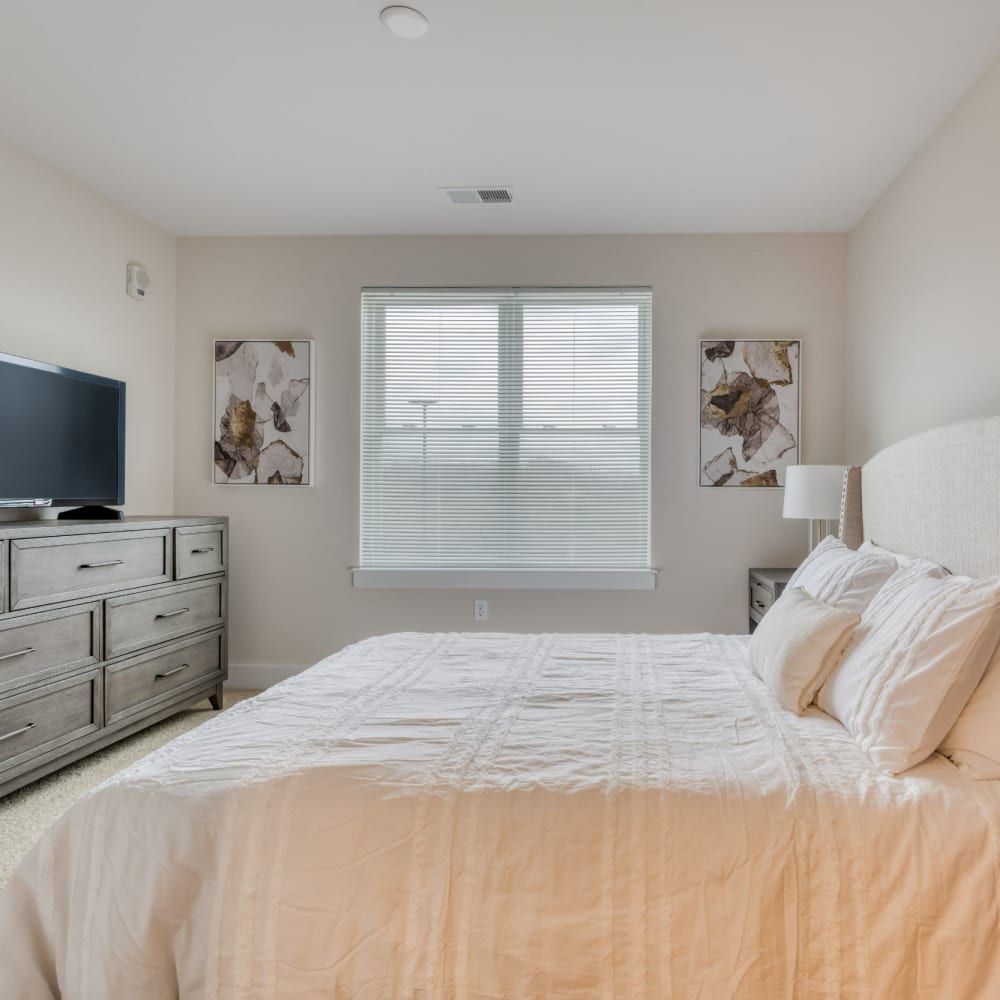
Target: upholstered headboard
[936,495]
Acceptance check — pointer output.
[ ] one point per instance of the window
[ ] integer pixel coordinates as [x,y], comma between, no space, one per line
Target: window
[505,437]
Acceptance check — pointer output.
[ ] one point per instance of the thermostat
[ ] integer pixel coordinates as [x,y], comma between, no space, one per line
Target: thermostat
[136,281]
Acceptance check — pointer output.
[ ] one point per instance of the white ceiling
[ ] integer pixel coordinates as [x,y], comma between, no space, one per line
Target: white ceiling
[624,116]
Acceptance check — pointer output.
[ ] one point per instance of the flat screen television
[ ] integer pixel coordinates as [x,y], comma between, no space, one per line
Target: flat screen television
[62,436]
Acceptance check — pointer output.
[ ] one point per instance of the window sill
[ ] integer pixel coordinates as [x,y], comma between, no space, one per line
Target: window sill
[506,579]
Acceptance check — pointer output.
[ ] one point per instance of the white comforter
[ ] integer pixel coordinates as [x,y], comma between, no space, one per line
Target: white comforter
[504,816]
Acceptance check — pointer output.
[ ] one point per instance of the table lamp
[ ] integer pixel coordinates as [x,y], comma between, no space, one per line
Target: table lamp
[813,492]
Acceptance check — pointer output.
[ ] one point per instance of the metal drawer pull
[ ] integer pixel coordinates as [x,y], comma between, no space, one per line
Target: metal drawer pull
[200,552]
[759,604]
[101,565]
[172,614]
[17,732]
[19,652]
[170,673]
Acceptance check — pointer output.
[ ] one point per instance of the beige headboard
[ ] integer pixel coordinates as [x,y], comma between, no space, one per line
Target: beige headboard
[935,495]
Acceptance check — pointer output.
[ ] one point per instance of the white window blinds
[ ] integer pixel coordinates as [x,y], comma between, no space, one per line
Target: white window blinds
[505,428]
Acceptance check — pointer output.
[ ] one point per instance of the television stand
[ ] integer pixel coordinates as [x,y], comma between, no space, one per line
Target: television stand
[106,627]
[91,514]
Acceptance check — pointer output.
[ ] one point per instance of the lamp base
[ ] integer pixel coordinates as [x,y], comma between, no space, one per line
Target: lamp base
[819,528]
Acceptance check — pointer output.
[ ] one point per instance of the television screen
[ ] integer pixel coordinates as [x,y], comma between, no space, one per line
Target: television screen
[62,435]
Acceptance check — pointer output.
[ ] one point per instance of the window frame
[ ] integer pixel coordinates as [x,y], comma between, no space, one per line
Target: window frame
[510,431]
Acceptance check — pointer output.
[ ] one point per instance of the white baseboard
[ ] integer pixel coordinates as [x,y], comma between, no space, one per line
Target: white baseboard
[257,676]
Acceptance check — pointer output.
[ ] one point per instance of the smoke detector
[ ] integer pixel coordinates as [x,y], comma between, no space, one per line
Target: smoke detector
[479,195]
[404,22]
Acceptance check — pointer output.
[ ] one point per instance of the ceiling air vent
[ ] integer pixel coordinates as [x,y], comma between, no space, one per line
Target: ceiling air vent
[494,196]
[479,195]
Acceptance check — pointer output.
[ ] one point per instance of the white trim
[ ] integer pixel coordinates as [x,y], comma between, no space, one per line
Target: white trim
[257,676]
[505,579]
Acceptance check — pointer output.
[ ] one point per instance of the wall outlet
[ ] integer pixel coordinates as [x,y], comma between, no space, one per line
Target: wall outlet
[480,611]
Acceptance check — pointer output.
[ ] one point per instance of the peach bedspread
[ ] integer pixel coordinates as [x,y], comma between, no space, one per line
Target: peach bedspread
[514,816]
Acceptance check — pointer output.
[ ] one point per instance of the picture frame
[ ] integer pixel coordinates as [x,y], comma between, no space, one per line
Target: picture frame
[749,411]
[263,412]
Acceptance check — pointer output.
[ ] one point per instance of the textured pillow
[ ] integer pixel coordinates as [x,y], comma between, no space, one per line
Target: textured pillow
[837,575]
[904,562]
[974,741]
[921,649]
[796,645]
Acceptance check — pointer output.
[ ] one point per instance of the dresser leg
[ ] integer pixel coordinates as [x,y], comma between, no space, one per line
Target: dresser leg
[216,699]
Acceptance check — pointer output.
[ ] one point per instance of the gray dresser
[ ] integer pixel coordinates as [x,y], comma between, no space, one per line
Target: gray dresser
[105,628]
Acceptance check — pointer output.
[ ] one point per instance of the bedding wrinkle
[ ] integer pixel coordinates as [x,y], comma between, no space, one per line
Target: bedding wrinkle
[644,851]
[515,817]
[804,776]
[479,733]
[260,804]
[610,832]
[831,974]
[275,868]
[217,913]
[781,847]
[660,938]
[479,766]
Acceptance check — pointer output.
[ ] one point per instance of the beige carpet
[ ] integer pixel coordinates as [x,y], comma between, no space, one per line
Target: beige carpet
[26,813]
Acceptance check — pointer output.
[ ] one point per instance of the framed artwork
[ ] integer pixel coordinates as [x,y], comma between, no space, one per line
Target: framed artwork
[263,412]
[749,411]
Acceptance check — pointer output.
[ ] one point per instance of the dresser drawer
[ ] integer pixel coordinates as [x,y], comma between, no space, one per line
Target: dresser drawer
[134,685]
[53,641]
[139,620]
[33,723]
[47,570]
[199,550]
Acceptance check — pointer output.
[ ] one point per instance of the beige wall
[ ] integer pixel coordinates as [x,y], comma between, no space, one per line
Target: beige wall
[902,319]
[923,343]
[292,601]
[63,253]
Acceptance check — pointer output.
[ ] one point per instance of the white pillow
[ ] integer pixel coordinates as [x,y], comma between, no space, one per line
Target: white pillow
[905,562]
[921,649]
[974,741]
[837,575]
[796,645]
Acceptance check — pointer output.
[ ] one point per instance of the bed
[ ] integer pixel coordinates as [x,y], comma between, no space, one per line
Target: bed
[520,816]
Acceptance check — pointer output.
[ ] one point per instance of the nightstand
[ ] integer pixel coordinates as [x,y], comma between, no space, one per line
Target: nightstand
[766,586]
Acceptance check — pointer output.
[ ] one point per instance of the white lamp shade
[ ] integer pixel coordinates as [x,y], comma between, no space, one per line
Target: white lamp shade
[813,491]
